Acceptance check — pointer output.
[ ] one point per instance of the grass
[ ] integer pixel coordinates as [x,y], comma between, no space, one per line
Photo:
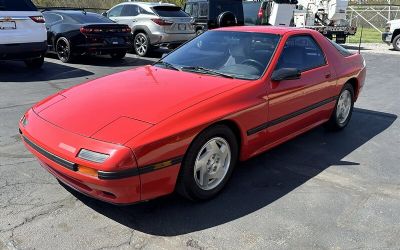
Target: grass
[370,35]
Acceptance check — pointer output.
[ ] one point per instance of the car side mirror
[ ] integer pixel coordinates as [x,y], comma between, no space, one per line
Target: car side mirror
[286,74]
[104,14]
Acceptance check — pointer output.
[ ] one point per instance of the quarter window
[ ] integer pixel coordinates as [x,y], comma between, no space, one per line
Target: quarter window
[115,12]
[301,52]
[130,10]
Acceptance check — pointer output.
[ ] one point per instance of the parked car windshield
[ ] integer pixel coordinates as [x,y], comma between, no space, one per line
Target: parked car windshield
[169,11]
[242,55]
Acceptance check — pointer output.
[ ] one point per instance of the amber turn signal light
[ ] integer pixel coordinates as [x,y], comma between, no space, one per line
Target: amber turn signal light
[87,171]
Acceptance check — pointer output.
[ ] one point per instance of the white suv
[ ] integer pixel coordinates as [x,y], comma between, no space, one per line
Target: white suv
[23,34]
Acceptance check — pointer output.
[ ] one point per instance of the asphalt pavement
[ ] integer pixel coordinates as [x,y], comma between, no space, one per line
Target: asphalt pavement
[321,190]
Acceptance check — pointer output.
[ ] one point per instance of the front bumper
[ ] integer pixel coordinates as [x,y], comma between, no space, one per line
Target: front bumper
[387,37]
[21,51]
[165,39]
[57,149]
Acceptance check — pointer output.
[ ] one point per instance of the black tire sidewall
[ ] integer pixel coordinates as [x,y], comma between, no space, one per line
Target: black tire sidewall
[65,60]
[188,186]
[395,41]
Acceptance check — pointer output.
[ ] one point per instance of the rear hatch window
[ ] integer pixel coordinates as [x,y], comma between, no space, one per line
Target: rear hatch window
[169,11]
[341,49]
[17,5]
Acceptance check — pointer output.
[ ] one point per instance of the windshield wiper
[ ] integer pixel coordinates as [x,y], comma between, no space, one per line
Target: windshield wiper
[168,65]
[207,71]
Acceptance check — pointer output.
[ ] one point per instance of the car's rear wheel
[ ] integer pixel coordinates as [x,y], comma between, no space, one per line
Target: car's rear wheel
[396,43]
[35,63]
[63,50]
[118,55]
[208,164]
[342,113]
[141,44]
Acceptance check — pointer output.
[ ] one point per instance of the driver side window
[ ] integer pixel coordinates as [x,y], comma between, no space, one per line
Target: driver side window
[301,52]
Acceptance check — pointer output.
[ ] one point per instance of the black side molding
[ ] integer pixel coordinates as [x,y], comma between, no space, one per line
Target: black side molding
[290,116]
[138,171]
[67,164]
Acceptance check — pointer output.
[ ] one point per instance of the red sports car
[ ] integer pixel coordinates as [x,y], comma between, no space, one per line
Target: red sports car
[185,122]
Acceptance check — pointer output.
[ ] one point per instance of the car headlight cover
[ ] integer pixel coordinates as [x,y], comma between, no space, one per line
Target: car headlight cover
[24,121]
[92,156]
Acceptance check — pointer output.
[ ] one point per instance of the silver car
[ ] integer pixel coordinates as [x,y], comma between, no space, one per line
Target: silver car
[154,24]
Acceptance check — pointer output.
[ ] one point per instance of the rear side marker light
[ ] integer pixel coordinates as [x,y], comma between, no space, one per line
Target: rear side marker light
[92,156]
[38,19]
[87,171]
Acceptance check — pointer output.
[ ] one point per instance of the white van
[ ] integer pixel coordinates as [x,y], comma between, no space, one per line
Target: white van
[23,34]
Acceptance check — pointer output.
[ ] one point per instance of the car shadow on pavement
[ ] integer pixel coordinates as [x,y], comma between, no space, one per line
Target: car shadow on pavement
[16,71]
[255,183]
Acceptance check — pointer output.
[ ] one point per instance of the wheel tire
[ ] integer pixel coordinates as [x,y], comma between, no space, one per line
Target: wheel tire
[141,44]
[396,43]
[336,122]
[63,50]
[35,63]
[118,55]
[226,19]
[188,185]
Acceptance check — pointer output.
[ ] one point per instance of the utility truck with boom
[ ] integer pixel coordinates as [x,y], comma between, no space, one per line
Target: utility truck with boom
[326,16]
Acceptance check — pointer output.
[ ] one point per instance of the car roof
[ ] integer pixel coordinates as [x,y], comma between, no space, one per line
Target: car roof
[267,29]
[70,12]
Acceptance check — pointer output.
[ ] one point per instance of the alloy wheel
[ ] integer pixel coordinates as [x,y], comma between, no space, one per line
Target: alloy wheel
[141,44]
[343,106]
[212,163]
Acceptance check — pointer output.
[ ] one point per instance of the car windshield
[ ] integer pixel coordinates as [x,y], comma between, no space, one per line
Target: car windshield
[243,55]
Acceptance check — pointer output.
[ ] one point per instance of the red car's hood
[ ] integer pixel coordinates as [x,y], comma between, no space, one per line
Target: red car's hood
[141,97]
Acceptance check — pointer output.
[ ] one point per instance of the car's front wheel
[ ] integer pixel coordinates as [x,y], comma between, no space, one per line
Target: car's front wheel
[141,44]
[208,164]
[341,115]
